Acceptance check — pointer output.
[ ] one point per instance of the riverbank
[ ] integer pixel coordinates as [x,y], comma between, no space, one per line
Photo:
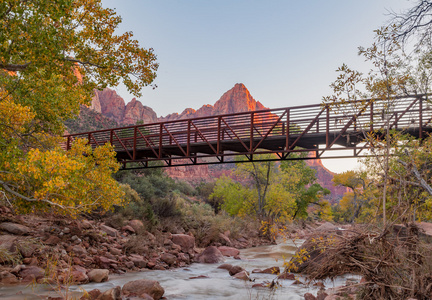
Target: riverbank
[35,248]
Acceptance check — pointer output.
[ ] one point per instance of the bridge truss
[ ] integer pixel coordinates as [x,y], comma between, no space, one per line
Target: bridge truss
[310,128]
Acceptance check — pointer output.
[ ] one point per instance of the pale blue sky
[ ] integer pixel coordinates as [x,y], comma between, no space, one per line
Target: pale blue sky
[284,51]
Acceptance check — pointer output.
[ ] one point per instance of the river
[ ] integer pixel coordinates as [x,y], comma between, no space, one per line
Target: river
[217,285]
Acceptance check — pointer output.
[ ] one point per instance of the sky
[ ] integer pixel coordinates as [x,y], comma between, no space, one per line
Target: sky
[285,52]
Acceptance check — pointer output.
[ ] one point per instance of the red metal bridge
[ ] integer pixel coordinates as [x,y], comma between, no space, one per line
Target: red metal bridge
[318,128]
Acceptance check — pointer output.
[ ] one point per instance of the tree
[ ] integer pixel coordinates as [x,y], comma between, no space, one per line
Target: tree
[392,74]
[415,22]
[52,57]
[353,201]
[268,191]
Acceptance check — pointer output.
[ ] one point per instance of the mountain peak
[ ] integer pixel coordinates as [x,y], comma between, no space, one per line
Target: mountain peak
[237,99]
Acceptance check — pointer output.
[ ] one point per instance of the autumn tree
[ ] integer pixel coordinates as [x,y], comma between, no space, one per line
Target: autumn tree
[269,191]
[52,57]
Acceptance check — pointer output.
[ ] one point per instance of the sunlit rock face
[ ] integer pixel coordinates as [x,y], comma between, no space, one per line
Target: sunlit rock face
[237,99]
[135,112]
[111,105]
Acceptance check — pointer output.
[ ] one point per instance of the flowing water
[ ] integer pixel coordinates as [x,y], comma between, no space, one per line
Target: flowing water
[217,284]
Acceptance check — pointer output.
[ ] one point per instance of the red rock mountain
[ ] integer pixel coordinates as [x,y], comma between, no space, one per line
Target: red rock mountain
[237,99]
[111,105]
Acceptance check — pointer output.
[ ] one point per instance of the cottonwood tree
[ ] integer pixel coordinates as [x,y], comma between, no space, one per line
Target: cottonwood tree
[271,192]
[52,57]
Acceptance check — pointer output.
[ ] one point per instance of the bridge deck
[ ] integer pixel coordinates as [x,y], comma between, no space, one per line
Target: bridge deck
[282,131]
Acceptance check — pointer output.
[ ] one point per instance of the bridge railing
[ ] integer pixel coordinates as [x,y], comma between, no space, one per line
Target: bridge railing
[251,130]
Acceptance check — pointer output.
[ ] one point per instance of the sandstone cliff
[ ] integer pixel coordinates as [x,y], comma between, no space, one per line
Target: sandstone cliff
[113,106]
[237,99]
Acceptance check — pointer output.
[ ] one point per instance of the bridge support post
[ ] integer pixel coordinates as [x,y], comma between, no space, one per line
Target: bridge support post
[134,143]
[287,131]
[421,118]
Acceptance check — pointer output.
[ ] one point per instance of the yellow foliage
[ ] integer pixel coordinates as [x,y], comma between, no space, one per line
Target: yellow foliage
[71,182]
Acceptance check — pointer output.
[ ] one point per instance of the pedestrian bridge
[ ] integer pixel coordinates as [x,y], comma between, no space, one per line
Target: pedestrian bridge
[317,128]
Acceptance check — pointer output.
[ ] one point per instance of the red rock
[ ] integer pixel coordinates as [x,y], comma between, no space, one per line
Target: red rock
[258,285]
[136,225]
[226,267]
[32,261]
[14,228]
[186,242]
[109,230]
[309,296]
[235,269]
[169,258]
[98,275]
[115,251]
[79,250]
[151,265]
[321,295]
[92,295]
[79,277]
[211,255]
[272,270]
[229,251]
[243,275]
[135,111]
[27,249]
[128,228]
[111,294]
[52,240]
[138,261]
[9,243]
[8,278]
[288,276]
[143,286]
[31,273]
[297,282]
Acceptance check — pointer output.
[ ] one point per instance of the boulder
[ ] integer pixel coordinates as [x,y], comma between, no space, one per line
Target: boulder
[109,230]
[229,251]
[169,258]
[111,294]
[52,240]
[327,226]
[9,243]
[14,228]
[8,278]
[92,295]
[211,255]
[98,275]
[186,242]
[27,249]
[143,286]
[136,225]
[235,269]
[243,275]
[79,276]
[31,273]
[128,228]
[138,261]
[309,296]
[225,267]
[272,270]
[79,250]
[288,276]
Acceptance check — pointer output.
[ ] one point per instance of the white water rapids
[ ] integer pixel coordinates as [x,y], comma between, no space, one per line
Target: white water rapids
[218,285]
